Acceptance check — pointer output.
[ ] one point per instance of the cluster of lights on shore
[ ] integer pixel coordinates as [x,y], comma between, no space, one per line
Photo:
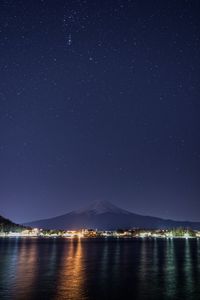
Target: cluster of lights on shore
[86,233]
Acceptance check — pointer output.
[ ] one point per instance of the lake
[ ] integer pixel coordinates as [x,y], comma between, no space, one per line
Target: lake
[39,268]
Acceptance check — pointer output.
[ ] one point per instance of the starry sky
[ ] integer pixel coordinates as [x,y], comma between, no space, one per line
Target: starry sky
[99,100]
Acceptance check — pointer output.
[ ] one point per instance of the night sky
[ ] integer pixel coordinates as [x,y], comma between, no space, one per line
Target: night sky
[99,100]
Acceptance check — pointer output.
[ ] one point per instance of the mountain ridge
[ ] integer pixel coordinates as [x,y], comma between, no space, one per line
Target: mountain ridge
[103,215]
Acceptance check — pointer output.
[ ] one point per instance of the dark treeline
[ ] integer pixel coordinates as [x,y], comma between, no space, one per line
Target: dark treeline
[7,226]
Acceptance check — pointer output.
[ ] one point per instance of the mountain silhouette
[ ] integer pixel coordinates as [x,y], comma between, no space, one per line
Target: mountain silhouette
[103,215]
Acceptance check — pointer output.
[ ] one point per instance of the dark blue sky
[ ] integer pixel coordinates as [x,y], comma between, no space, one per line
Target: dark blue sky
[99,100]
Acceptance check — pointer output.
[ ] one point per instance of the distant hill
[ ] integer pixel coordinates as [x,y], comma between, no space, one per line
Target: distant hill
[7,225]
[104,215]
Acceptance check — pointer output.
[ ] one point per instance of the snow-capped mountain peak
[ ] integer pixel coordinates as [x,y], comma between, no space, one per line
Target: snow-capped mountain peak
[100,207]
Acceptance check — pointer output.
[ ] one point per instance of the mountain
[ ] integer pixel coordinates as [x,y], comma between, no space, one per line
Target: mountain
[101,207]
[7,225]
[103,215]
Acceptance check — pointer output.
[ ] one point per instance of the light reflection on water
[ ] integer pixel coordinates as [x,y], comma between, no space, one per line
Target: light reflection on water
[170,269]
[26,270]
[188,268]
[71,272]
[99,269]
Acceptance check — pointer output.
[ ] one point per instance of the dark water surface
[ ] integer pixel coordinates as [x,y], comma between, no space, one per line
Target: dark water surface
[35,268]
